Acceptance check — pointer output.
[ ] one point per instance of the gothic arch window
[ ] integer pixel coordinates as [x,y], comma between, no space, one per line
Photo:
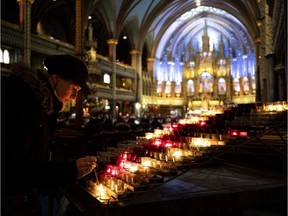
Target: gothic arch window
[106,78]
[253,85]
[4,56]
[190,88]
[221,67]
[236,86]
[246,87]
[251,64]
[221,86]
[159,88]
[178,89]
[192,69]
[1,56]
[206,83]
[168,88]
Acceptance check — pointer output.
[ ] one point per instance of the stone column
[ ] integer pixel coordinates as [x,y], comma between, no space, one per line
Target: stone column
[112,49]
[133,54]
[196,85]
[25,26]
[112,55]
[79,49]
[150,70]
[139,72]
[282,82]
[136,63]
[215,88]
[228,96]
[258,77]
[271,78]
[261,46]
[229,90]
[134,59]
[150,65]
[270,56]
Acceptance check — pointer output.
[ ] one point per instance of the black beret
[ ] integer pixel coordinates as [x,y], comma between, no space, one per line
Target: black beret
[69,68]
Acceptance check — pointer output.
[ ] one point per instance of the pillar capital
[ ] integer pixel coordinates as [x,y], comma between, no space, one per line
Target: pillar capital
[150,59]
[279,68]
[25,1]
[112,41]
[258,40]
[269,55]
[135,52]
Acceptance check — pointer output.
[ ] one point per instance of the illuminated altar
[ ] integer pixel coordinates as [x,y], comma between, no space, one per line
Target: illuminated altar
[206,72]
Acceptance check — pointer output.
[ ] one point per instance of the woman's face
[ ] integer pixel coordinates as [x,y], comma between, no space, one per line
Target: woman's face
[65,90]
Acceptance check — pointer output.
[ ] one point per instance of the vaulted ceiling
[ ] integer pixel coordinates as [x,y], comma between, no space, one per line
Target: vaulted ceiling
[170,25]
[152,26]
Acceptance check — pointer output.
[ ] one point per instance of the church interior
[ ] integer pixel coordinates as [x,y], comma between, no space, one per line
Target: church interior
[209,71]
[161,58]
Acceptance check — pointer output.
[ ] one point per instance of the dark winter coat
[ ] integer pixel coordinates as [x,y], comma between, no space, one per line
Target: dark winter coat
[29,110]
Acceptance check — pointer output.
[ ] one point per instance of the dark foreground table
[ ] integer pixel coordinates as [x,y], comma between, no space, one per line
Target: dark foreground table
[213,190]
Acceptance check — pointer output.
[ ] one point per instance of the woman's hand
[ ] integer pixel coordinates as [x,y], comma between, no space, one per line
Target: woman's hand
[85,165]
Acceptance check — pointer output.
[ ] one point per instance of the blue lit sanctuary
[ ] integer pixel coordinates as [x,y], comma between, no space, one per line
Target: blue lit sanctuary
[203,62]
